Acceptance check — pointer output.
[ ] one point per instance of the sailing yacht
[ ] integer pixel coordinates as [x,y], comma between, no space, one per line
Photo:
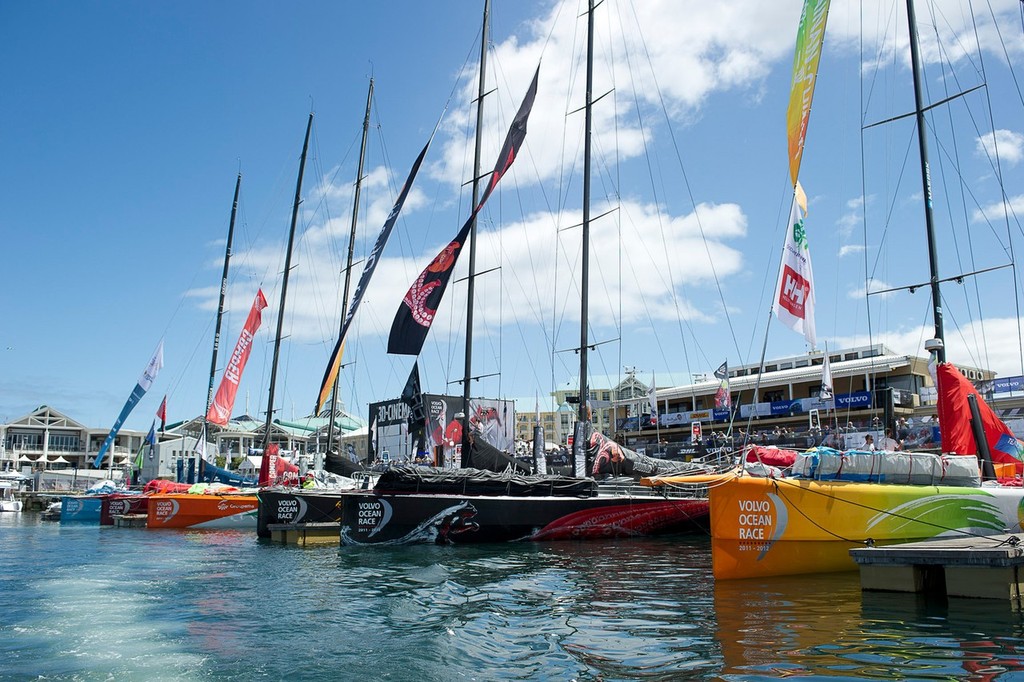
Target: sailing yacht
[470,505]
[806,519]
[230,507]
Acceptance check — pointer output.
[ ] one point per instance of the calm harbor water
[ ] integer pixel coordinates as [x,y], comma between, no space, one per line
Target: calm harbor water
[83,602]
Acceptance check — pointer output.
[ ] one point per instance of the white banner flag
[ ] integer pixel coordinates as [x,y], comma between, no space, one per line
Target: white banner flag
[794,301]
[373,437]
[652,398]
[153,368]
[827,393]
[200,448]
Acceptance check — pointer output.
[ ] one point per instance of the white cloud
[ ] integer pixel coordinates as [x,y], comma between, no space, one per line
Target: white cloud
[851,218]
[696,50]
[989,344]
[1008,145]
[997,212]
[850,249]
[874,286]
[951,35]
[666,275]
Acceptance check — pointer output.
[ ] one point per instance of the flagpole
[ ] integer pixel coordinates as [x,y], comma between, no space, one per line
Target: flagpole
[220,309]
[657,415]
[470,279]
[284,292]
[348,267]
[757,386]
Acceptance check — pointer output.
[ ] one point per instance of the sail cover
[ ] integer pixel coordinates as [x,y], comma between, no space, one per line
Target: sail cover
[955,421]
[275,469]
[416,313]
[334,364]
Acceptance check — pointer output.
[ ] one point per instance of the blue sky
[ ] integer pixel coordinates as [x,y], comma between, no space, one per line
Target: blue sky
[123,125]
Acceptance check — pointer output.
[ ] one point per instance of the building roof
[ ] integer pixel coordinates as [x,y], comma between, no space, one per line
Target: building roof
[846,368]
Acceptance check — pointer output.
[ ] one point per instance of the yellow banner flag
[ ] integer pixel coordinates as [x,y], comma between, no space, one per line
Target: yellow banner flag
[805,72]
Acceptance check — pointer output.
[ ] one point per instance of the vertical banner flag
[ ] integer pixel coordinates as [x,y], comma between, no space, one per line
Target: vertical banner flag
[805,71]
[416,313]
[723,397]
[143,385]
[224,401]
[794,300]
[413,397]
[200,448]
[334,364]
[148,442]
[827,392]
[162,413]
[151,438]
[373,438]
[268,464]
[540,460]
[275,469]
[652,398]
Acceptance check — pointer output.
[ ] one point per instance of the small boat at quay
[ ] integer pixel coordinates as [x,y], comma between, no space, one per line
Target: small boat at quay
[8,502]
[211,510]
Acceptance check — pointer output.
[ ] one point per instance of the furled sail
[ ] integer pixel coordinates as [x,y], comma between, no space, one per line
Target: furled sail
[955,421]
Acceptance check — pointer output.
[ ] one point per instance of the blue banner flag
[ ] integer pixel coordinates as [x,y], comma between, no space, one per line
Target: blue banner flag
[145,381]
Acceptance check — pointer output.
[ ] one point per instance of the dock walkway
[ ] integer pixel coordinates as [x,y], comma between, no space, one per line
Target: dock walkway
[990,567]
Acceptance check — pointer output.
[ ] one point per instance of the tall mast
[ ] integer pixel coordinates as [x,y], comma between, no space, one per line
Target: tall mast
[585,265]
[472,230]
[922,143]
[284,287]
[351,248]
[223,293]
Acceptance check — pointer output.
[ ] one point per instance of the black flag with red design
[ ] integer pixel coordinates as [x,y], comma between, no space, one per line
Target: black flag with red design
[415,315]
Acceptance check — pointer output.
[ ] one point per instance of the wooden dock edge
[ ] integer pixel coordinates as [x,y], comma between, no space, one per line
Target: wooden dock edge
[989,567]
[130,520]
[306,534]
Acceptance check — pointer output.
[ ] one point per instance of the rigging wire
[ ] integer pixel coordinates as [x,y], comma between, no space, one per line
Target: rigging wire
[693,202]
[670,283]
[963,199]
[863,180]
[1007,208]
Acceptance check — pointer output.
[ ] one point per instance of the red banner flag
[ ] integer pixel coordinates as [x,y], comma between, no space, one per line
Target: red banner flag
[416,313]
[220,408]
[162,413]
[275,470]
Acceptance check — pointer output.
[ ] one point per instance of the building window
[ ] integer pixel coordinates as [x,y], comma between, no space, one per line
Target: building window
[64,442]
[24,441]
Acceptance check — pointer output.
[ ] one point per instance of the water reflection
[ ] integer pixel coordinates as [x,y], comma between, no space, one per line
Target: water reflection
[90,603]
[810,625]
